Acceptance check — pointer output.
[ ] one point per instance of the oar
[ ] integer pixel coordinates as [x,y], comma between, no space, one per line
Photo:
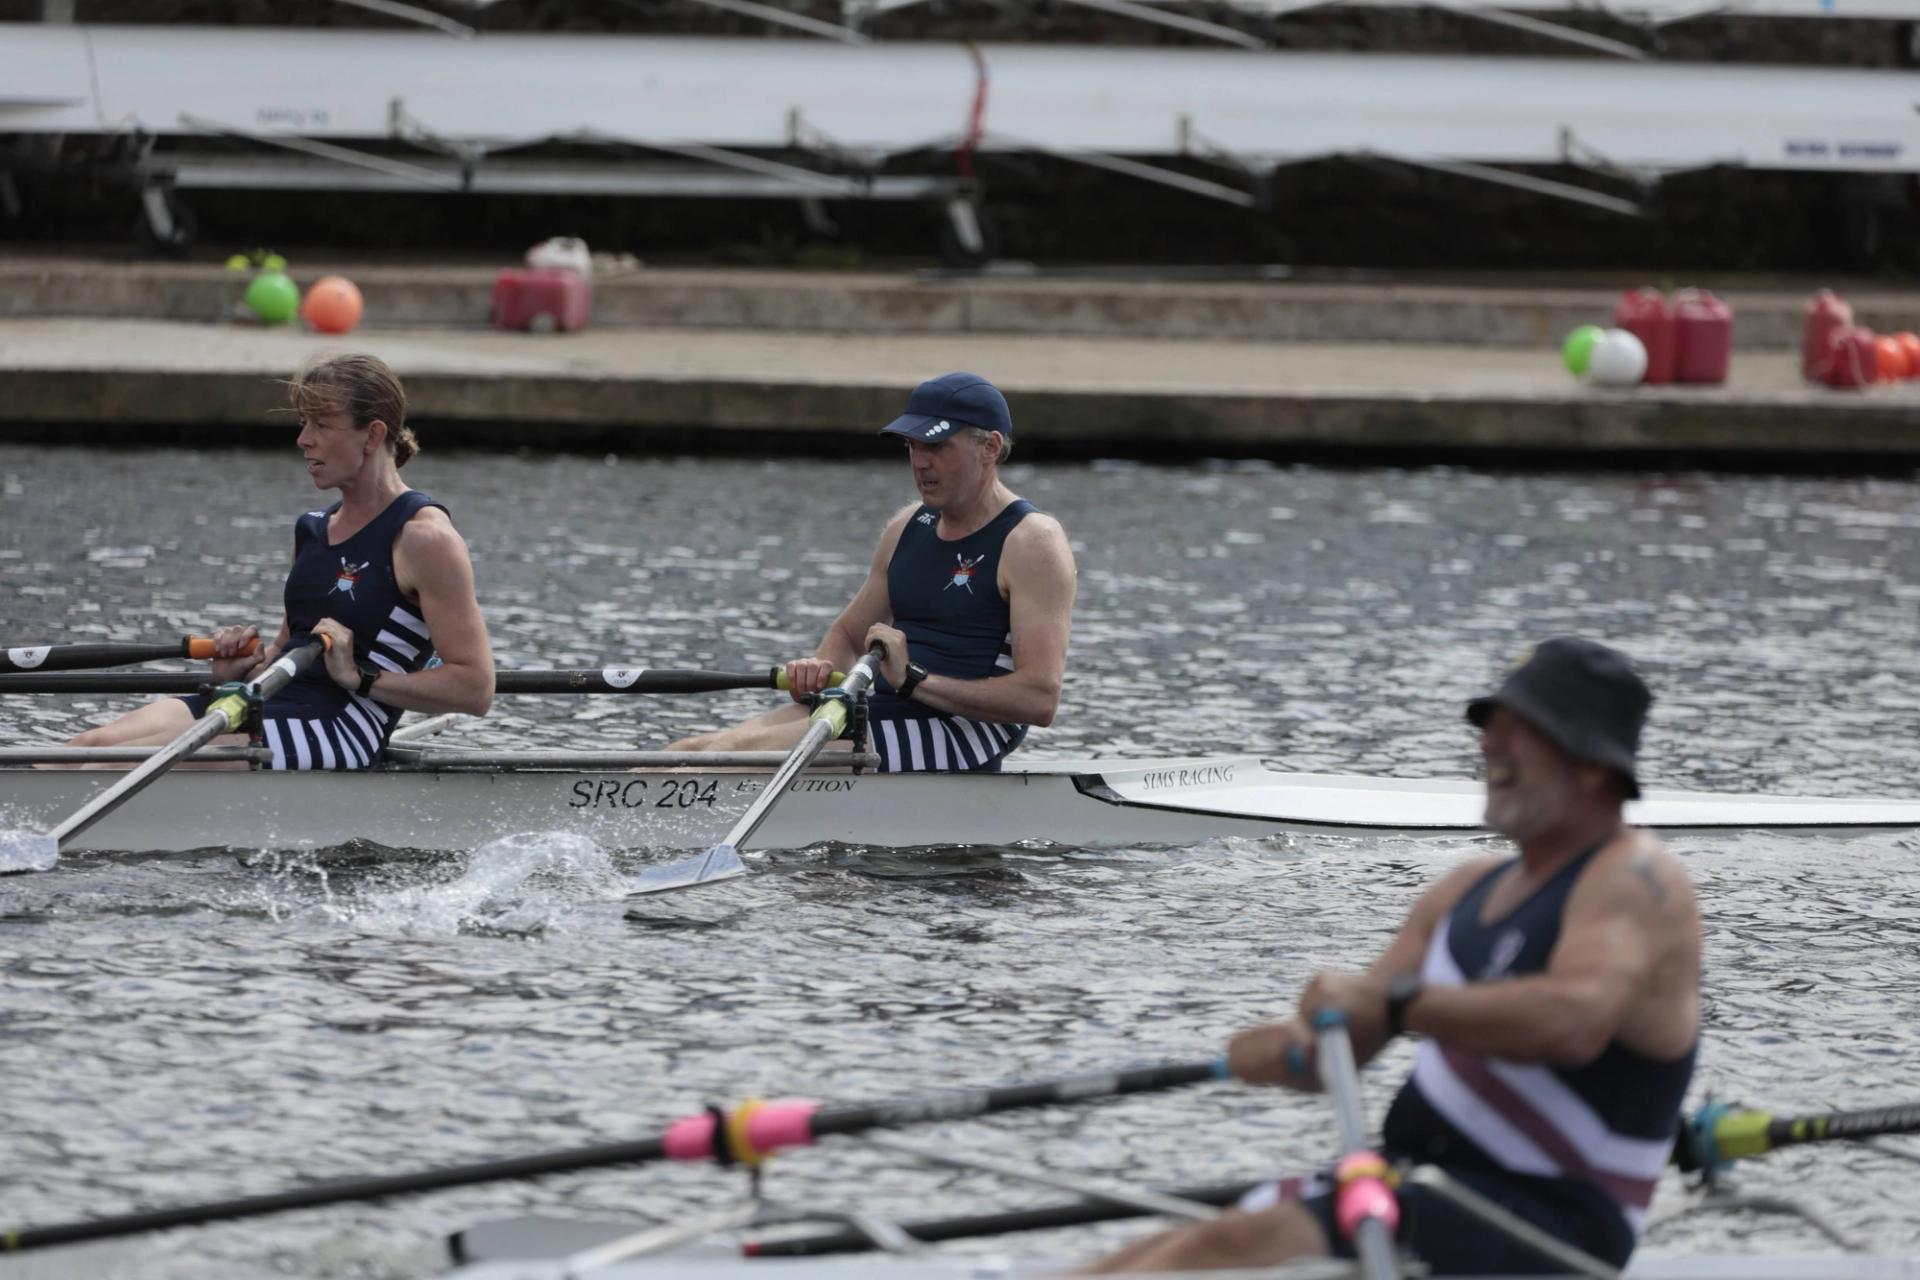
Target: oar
[1364,1204]
[72,657]
[1718,1134]
[748,1134]
[722,862]
[226,714]
[586,680]
[1714,1136]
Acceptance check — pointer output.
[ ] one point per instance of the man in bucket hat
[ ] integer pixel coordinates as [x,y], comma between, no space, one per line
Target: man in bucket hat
[971,590]
[1557,994]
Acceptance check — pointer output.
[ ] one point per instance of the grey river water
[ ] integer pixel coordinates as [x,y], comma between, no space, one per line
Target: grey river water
[187,1029]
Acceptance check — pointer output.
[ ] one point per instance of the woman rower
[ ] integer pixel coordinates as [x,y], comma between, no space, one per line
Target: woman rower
[382,573]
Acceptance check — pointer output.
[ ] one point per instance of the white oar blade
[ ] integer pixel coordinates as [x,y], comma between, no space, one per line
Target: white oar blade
[721,862]
[28,853]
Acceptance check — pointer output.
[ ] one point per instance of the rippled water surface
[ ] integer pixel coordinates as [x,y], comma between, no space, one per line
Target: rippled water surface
[193,1028]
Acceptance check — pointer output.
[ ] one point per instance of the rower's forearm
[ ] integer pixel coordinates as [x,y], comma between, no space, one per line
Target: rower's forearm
[436,690]
[999,699]
[1537,1019]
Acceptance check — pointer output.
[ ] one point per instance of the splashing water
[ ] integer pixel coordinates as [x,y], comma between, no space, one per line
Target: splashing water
[527,883]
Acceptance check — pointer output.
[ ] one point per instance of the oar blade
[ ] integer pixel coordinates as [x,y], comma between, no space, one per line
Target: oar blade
[722,862]
[28,853]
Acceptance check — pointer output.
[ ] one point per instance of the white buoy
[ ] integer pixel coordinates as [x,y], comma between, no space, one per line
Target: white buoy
[1619,360]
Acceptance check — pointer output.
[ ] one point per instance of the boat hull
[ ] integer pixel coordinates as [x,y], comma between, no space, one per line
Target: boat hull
[1081,803]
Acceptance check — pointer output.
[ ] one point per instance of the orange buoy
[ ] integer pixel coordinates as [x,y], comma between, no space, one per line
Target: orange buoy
[1910,343]
[332,305]
[1892,358]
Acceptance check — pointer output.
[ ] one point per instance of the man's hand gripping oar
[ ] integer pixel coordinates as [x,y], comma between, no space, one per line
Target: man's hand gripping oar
[227,713]
[828,721]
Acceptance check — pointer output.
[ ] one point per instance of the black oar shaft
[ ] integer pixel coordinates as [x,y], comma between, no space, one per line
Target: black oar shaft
[73,657]
[584,681]
[961,1106]
[615,680]
[1718,1134]
[1876,1122]
[335,1192]
[850,1119]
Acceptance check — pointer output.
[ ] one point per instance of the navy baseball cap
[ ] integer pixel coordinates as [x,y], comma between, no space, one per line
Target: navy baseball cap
[941,405]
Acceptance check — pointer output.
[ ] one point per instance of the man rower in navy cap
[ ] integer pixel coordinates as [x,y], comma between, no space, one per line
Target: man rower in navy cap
[1557,994]
[971,590]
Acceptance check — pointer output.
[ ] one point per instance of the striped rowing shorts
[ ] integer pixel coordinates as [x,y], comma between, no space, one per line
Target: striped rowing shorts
[910,738]
[352,738]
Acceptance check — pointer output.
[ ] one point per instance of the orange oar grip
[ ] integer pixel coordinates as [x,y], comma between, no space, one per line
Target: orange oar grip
[202,647]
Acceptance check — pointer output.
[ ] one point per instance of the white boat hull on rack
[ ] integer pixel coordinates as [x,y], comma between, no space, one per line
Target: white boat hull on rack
[1078,803]
[1262,108]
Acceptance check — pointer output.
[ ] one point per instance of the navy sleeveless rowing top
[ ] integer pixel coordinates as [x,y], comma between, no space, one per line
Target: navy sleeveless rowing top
[946,600]
[946,595]
[321,724]
[1605,1125]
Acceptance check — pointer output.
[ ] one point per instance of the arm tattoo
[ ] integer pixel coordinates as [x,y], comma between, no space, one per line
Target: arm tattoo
[1644,868]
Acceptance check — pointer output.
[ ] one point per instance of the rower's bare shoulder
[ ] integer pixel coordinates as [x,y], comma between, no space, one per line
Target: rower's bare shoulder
[1039,534]
[1639,873]
[428,522]
[429,531]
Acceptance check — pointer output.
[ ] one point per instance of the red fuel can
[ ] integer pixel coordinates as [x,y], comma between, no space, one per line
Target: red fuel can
[1644,314]
[1702,337]
[1852,358]
[525,298]
[1826,314]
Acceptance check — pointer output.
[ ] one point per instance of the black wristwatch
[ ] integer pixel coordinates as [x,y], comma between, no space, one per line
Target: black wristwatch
[368,674]
[1402,990]
[915,674]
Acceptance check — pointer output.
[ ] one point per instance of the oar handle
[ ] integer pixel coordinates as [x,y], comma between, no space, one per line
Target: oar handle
[781,682]
[202,647]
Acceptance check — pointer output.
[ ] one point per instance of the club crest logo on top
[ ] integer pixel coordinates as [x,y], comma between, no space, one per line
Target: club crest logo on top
[348,575]
[963,571]
[1506,949]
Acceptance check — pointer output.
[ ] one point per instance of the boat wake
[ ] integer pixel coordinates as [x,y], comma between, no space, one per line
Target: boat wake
[528,883]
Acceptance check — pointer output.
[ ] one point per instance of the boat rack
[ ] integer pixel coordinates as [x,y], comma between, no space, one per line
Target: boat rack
[823,121]
[1648,17]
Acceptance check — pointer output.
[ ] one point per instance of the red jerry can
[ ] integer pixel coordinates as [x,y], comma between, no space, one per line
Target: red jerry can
[1644,314]
[526,298]
[1702,337]
[1852,358]
[1826,313]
